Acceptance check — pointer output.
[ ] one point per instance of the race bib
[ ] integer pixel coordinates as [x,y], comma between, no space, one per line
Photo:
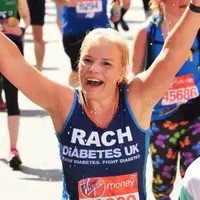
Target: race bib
[181,90]
[124,187]
[89,8]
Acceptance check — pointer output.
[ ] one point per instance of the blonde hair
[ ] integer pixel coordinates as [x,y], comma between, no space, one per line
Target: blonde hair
[113,36]
[156,6]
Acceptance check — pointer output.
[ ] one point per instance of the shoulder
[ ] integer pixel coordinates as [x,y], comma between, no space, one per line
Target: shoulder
[139,38]
[146,27]
[143,28]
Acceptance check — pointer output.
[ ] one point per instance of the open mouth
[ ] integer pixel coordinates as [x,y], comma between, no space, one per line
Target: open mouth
[94,82]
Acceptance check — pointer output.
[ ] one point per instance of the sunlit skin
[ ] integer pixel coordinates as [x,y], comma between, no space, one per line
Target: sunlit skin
[143,92]
[100,71]
[175,7]
[101,62]
[102,65]
[172,10]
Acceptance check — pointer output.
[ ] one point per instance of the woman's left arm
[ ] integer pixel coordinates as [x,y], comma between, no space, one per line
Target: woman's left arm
[158,77]
[152,84]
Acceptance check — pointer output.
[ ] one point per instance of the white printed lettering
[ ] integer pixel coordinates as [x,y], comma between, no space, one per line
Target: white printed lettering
[117,153]
[108,138]
[131,150]
[78,135]
[93,139]
[121,135]
[91,154]
[105,140]
[123,184]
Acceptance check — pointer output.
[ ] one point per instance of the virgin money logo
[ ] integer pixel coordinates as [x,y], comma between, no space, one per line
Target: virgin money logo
[92,187]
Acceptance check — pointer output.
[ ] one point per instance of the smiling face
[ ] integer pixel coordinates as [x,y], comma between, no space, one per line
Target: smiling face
[100,68]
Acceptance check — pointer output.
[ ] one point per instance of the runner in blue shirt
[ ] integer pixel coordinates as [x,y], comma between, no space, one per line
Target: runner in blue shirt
[102,127]
[78,18]
[175,119]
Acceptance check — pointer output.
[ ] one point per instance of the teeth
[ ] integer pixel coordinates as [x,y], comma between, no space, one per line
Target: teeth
[94,80]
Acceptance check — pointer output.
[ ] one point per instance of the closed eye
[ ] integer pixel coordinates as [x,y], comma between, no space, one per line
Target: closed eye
[106,63]
[87,60]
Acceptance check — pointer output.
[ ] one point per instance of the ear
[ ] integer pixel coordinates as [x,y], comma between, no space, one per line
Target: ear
[122,74]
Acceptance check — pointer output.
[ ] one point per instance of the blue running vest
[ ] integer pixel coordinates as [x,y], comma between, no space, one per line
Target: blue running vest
[85,17]
[103,164]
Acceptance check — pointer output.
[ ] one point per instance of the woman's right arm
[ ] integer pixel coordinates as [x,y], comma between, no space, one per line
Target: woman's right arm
[51,96]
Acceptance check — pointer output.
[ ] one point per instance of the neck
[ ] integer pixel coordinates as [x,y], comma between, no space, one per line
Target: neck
[98,107]
[169,21]
[97,110]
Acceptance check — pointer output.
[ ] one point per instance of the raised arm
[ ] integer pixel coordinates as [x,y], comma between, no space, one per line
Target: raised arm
[172,57]
[148,87]
[53,97]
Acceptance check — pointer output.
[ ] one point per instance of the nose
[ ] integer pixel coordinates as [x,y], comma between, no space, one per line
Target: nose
[94,68]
